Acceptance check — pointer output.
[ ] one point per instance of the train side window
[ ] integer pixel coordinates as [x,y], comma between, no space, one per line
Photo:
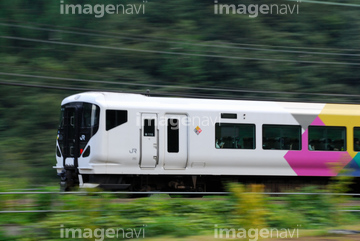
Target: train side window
[149,127]
[234,136]
[281,137]
[357,139]
[173,136]
[115,118]
[327,138]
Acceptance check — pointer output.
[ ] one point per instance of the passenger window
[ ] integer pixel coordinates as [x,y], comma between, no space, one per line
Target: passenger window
[234,136]
[327,138]
[281,137]
[173,135]
[149,127]
[115,118]
[357,139]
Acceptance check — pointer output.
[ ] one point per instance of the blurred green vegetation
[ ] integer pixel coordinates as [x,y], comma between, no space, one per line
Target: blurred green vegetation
[250,208]
[160,215]
[29,116]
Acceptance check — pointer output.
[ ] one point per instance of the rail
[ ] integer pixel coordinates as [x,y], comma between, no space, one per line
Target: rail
[153,193]
[182,193]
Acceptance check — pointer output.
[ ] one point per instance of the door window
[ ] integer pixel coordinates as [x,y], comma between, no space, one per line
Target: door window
[149,127]
[173,135]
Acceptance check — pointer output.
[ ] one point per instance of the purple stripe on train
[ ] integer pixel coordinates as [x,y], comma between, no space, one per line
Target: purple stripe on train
[316,163]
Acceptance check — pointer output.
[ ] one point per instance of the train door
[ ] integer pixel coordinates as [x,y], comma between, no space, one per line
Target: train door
[176,141]
[71,137]
[149,141]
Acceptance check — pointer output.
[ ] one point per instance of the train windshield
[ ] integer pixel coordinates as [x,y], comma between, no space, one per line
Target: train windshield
[89,116]
[79,121]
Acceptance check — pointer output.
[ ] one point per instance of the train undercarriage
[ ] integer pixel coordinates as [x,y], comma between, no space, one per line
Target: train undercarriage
[70,180]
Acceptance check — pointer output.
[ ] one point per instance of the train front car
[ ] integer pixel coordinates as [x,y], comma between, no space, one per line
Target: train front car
[119,141]
[79,124]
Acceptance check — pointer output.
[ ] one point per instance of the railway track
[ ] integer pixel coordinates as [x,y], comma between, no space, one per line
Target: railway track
[352,203]
[180,193]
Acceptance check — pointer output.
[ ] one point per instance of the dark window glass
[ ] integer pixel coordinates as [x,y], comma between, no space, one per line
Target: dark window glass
[87,152]
[149,127]
[357,139]
[173,135]
[281,137]
[228,116]
[327,138]
[234,136]
[70,119]
[77,120]
[115,118]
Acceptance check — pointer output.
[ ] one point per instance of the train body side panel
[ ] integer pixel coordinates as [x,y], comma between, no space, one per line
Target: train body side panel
[118,151]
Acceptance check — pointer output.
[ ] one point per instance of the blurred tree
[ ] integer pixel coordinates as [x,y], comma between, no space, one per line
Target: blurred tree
[268,52]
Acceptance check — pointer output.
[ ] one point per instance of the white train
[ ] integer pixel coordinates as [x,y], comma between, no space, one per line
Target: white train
[131,141]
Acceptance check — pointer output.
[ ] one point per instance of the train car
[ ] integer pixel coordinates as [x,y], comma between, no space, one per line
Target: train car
[123,141]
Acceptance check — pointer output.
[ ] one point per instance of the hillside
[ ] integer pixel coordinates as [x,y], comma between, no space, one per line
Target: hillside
[182,48]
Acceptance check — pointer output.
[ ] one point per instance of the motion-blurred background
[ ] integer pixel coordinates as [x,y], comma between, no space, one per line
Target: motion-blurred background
[310,52]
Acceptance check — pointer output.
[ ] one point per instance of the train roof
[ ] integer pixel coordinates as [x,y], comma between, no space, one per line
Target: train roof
[117,100]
